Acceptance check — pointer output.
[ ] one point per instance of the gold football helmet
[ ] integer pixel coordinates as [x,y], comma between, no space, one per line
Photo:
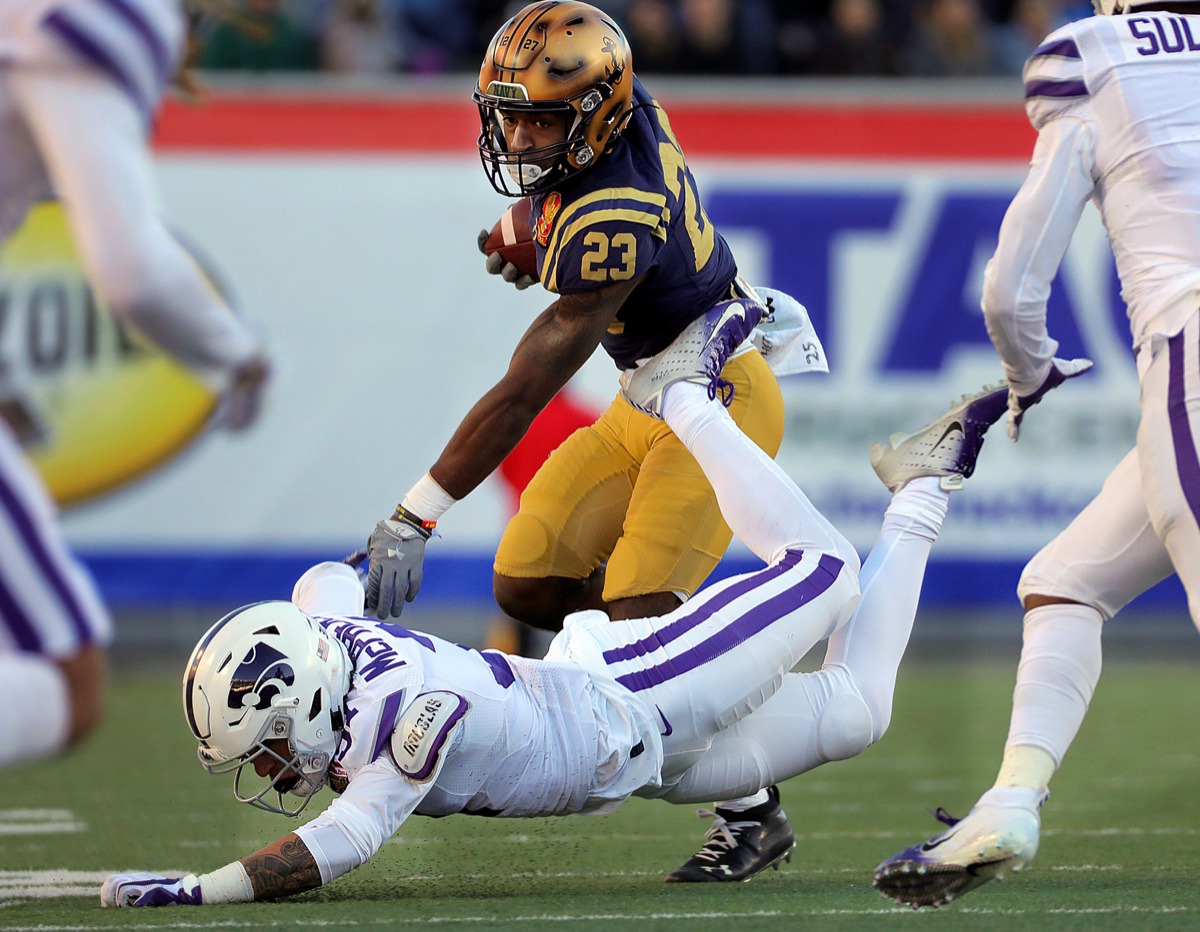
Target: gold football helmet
[556,55]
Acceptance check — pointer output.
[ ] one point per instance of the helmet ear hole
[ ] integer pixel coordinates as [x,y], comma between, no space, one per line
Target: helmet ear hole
[315,709]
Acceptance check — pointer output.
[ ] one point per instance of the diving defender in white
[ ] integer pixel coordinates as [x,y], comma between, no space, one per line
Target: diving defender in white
[80,81]
[690,706]
[1114,99]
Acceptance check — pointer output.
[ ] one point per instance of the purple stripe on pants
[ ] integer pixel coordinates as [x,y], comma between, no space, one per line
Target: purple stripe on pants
[740,629]
[1186,463]
[92,51]
[680,626]
[387,721]
[26,528]
[13,615]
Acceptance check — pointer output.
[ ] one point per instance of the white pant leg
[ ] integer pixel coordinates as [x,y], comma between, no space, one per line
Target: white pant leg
[814,718]
[870,647]
[716,659]
[92,140]
[48,604]
[1167,445]
[1109,554]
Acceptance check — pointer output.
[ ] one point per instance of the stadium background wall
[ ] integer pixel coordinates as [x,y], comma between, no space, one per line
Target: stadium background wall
[346,223]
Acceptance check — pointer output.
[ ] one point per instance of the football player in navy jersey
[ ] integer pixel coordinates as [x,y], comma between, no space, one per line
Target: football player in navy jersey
[620,518]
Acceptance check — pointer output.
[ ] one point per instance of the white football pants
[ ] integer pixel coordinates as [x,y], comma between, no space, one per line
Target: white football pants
[716,671]
[1144,523]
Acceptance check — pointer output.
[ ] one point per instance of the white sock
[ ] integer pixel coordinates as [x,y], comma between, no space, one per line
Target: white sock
[745,802]
[872,643]
[1060,666]
[35,708]
[760,503]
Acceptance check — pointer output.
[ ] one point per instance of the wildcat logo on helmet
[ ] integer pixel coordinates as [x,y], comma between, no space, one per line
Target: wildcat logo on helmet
[545,223]
[259,678]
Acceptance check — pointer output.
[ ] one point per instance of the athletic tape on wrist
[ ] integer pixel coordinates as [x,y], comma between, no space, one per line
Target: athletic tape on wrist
[228,884]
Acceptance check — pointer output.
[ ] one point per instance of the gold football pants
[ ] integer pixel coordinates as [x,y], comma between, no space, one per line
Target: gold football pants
[627,492]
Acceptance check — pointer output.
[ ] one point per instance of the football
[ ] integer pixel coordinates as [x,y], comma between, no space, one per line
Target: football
[513,239]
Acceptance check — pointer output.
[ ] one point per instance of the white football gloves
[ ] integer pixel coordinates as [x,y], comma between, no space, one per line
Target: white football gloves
[396,550]
[496,265]
[150,890]
[1060,371]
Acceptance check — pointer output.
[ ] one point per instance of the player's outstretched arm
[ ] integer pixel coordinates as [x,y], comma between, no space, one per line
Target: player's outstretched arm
[1034,236]
[558,342]
[281,869]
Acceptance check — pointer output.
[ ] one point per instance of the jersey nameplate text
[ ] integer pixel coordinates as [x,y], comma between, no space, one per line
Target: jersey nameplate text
[423,731]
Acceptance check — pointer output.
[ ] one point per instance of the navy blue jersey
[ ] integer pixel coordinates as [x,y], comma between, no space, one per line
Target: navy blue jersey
[635,212]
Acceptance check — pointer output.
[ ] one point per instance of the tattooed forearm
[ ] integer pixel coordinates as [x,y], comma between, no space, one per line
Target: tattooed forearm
[282,869]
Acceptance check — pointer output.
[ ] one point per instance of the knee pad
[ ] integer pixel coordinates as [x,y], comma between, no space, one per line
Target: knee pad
[844,727]
[1049,575]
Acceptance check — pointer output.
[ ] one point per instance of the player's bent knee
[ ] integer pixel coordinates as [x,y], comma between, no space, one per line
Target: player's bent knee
[544,601]
[1035,600]
[845,727]
[1043,584]
[86,674]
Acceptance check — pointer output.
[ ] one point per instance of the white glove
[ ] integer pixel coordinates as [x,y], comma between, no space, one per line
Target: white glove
[1060,371]
[150,890]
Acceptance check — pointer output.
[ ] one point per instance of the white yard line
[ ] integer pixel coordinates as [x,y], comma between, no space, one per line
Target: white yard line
[40,822]
[619,917]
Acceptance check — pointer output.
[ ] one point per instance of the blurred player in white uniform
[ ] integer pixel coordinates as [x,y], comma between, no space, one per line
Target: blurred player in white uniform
[1116,102]
[696,704]
[80,81]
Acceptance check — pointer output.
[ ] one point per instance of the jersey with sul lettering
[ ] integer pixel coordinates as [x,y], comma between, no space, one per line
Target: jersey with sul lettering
[434,728]
[1116,101]
[635,212]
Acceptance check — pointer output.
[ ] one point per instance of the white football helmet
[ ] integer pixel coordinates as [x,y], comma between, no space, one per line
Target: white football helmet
[264,672]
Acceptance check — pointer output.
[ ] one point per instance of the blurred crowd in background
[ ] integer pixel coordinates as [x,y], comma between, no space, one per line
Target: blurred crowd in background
[924,38]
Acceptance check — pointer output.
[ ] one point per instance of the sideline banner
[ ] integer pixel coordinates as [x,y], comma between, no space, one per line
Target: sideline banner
[356,254]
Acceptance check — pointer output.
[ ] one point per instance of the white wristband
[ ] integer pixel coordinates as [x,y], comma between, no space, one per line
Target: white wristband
[427,500]
[228,884]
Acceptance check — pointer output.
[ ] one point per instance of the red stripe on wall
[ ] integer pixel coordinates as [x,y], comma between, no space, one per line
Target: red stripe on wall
[267,123]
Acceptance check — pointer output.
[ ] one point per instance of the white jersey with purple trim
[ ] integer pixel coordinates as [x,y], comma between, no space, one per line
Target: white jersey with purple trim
[616,709]
[136,43]
[1113,100]
[521,737]
[434,728]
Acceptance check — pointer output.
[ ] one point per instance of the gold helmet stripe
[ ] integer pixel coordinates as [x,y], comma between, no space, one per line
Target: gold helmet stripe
[528,21]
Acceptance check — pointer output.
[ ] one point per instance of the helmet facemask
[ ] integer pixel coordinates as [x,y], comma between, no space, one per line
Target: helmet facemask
[532,171]
[305,768]
[553,56]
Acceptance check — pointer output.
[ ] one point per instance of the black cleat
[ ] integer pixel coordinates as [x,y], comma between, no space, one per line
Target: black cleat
[740,844]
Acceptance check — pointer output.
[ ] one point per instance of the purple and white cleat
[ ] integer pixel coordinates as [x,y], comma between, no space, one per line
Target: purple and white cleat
[698,355]
[997,838]
[947,447]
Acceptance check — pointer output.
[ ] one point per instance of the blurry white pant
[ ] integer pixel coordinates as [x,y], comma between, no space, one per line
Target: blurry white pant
[71,126]
[1145,523]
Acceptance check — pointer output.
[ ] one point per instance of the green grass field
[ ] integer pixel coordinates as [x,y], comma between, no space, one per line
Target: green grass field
[1120,847]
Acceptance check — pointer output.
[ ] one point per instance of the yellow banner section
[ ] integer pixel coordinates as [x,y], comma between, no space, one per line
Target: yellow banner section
[93,402]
